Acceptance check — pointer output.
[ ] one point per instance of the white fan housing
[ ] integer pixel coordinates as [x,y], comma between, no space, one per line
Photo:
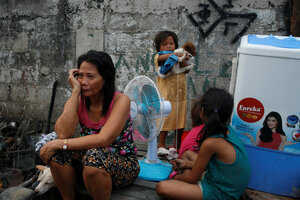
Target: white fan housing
[147,110]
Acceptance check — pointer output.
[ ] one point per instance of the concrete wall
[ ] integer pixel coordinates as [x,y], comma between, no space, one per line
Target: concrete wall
[41,39]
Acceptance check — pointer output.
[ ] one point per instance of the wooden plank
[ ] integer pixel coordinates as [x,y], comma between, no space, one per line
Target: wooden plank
[258,195]
[137,192]
[140,189]
[116,196]
[145,184]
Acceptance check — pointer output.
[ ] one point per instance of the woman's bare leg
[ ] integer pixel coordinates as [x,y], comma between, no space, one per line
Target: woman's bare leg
[174,189]
[98,182]
[64,178]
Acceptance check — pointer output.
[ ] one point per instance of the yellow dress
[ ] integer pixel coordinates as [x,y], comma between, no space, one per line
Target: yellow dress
[173,89]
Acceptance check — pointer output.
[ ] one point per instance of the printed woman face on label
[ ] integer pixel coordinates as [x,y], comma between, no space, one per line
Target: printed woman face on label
[272,123]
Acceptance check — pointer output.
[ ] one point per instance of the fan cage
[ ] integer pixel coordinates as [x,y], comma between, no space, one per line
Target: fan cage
[143,90]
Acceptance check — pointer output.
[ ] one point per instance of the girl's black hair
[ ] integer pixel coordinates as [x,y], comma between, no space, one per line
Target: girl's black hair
[106,69]
[163,35]
[195,113]
[217,106]
[195,116]
[266,132]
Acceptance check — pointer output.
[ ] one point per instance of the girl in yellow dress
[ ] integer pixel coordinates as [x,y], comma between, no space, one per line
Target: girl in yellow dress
[172,88]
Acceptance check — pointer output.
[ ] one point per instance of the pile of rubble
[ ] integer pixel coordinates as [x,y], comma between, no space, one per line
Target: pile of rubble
[17,154]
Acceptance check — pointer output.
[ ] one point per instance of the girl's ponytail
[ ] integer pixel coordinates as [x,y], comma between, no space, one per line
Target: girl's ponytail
[216,109]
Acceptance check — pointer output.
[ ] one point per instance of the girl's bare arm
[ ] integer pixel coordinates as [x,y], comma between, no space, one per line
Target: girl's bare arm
[164,57]
[207,150]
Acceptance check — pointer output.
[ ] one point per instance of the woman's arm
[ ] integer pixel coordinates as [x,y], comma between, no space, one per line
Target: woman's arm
[111,129]
[66,124]
[258,138]
[109,132]
[207,149]
[251,138]
[283,142]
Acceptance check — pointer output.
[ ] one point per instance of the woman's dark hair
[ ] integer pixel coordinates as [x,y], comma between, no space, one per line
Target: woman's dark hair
[217,106]
[106,69]
[163,35]
[266,132]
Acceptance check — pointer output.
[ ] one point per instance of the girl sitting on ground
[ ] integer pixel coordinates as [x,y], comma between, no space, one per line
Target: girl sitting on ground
[221,155]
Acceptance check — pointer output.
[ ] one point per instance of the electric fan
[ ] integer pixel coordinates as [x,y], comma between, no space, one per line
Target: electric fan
[147,111]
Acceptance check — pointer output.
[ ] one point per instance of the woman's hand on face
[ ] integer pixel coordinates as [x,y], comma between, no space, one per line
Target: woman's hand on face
[72,79]
[47,151]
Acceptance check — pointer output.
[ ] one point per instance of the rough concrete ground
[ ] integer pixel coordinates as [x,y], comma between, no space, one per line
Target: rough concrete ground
[258,195]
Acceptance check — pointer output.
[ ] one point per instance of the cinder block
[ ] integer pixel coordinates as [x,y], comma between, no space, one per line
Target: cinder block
[21,43]
[4,95]
[88,40]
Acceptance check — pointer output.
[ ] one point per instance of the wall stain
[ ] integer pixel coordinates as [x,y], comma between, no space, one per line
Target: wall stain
[207,84]
[152,59]
[224,69]
[191,85]
[197,66]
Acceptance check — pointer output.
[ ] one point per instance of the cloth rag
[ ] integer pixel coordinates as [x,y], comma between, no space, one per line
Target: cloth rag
[44,139]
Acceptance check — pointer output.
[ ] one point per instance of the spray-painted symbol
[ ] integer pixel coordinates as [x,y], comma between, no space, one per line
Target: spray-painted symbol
[201,19]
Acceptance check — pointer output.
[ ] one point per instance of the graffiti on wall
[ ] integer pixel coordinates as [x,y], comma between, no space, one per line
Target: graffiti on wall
[205,25]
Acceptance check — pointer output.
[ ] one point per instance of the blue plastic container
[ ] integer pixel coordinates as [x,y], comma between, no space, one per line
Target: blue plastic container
[273,171]
[267,80]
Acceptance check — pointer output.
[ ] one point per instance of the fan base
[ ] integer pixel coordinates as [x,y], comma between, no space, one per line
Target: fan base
[154,172]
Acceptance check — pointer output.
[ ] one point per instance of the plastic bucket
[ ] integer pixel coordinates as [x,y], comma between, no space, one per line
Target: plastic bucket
[273,171]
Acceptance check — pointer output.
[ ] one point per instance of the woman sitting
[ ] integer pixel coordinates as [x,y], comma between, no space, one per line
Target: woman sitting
[106,152]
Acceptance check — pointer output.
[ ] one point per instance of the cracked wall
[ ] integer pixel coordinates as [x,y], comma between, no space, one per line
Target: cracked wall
[41,39]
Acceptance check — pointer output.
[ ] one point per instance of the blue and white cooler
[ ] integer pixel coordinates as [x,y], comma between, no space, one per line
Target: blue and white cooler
[268,80]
